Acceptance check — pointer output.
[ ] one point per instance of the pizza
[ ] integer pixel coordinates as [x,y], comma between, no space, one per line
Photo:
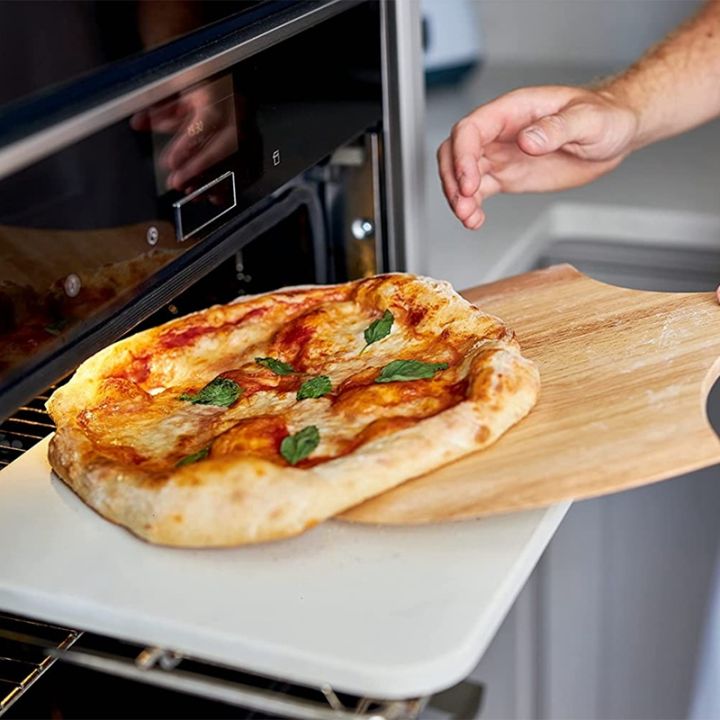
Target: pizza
[258,419]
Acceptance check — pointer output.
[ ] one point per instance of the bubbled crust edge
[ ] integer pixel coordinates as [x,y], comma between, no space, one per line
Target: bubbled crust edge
[234,501]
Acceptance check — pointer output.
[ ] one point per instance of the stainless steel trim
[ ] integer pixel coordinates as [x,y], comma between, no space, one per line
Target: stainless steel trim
[404,127]
[376,159]
[178,206]
[22,153]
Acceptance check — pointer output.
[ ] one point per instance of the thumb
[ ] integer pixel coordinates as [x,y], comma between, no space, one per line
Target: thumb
[573,124]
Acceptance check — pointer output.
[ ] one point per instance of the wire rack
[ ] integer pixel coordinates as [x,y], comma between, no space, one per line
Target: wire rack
[28,648]
[25,428]
[22,663]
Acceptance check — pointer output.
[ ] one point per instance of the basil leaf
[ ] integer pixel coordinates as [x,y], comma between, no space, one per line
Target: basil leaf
[404,370]
[221,391]
[314,387]
[297,447]
[194,457]
[277,366]
[378,329]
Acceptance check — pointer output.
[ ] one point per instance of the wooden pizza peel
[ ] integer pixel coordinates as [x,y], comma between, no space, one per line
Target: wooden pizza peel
[625,376]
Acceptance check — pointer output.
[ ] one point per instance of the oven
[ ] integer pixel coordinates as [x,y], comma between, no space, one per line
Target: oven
[156,158]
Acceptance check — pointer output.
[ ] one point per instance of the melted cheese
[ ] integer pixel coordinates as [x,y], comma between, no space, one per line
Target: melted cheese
[142,419]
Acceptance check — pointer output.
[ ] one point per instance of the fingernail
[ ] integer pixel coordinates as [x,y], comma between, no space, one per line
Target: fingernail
[535,134]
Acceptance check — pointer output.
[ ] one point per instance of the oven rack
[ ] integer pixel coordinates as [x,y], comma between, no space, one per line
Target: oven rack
[33,641]
[25,428]
[22,664]
[28,648]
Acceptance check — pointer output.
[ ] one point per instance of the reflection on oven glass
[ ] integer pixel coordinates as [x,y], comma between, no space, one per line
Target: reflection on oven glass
[191,133]
[52,42]
[54,281]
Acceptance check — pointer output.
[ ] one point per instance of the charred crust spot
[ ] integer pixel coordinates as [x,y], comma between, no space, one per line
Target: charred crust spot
[482,434]
[499,332]
[481,384]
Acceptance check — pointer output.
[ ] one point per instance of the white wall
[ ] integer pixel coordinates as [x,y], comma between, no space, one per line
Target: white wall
[608,33]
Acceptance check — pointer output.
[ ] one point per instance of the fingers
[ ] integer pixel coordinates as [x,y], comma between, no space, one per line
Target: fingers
[467,209]
[500,119]
[461,157]
[447,174]
[166,118]
[476,218]
[717,292]
[219,147]
[140,121]
[579,124]
[488,151]
[467,150]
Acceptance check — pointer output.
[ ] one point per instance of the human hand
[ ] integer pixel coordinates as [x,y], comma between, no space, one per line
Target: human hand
[533,140]
[203,132]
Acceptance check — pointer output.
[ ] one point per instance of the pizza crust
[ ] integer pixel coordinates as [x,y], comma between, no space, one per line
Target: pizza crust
[238,499]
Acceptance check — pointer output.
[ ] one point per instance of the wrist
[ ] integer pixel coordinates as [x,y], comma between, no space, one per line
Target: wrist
[624,97]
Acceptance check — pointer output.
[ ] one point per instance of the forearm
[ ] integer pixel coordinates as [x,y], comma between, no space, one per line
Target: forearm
[675,86]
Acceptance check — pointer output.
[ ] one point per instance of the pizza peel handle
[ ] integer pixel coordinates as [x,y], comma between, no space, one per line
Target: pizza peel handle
[625,377]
